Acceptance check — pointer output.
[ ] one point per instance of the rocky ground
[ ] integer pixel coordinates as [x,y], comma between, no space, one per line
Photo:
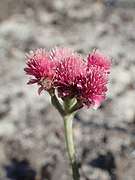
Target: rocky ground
[32,142]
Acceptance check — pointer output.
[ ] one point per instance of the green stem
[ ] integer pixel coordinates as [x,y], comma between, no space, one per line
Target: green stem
[68,119]
[70,145]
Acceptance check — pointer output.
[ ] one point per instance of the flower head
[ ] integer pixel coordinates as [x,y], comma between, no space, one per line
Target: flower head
[95,80]
[72,76]
[70,67]
[41,67]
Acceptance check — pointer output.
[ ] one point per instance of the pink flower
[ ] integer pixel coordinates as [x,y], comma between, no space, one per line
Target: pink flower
[70,67]
[95,80]
[70,74]
[41,67]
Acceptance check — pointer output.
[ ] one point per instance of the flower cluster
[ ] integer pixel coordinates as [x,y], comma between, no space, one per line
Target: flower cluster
[70,74]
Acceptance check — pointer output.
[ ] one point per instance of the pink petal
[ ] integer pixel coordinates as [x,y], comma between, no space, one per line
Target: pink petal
[97,100]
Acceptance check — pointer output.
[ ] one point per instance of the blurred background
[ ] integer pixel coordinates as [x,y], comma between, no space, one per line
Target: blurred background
[32,142]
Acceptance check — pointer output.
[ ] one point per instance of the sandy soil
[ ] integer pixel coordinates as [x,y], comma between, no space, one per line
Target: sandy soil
[32,142]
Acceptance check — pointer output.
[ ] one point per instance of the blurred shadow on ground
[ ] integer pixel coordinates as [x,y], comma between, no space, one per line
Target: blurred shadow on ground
[20,170]
[105,162]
